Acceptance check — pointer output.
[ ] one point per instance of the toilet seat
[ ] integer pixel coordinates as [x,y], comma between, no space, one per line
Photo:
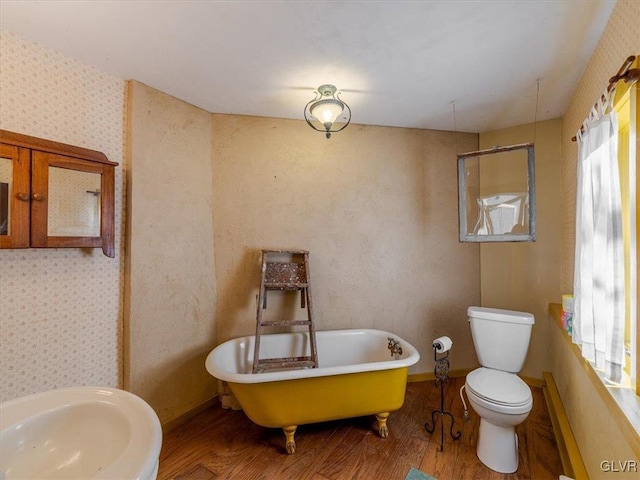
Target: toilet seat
[499,388]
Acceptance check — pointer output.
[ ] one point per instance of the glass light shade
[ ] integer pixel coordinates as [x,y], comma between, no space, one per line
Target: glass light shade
[327,111]
[326,108]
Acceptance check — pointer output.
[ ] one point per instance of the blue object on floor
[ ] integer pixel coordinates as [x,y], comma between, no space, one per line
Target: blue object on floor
[415,474]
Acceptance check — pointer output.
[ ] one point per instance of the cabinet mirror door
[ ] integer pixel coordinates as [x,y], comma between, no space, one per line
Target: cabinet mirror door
[72,203]
[15,165]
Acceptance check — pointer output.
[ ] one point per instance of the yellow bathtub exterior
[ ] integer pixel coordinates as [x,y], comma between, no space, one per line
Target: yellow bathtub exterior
[358,376]
[309,400]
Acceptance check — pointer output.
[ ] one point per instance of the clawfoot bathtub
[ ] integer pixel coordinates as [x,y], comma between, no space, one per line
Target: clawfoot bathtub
[357,376]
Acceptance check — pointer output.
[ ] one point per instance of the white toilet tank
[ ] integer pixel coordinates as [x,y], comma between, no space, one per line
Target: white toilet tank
[501,337]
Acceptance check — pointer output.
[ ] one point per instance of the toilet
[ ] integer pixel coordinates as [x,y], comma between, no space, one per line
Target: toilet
[496,393]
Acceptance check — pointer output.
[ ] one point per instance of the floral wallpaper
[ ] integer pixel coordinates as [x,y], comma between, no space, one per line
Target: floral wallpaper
[61,309]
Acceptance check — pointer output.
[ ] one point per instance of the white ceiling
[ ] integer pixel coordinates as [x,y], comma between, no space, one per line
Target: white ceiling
[398,63]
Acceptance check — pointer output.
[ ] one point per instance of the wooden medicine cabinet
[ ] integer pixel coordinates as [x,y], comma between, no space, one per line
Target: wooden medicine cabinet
[54,195]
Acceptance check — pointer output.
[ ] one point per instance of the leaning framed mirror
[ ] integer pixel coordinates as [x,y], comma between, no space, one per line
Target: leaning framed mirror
[496,194]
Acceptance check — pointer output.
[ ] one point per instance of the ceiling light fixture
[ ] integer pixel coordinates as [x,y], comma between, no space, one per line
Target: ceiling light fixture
[325,109]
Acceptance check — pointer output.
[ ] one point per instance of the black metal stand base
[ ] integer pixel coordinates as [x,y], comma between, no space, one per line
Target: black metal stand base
[441,371]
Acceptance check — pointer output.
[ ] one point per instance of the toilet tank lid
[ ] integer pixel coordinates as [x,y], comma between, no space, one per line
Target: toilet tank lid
[498,315]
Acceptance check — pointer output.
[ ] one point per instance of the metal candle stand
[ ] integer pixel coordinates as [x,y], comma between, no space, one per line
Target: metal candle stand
[441,371]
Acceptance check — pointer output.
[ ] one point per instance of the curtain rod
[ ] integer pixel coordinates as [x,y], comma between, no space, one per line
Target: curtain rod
[624,73]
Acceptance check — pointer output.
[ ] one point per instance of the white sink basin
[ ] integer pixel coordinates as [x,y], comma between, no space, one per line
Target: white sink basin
[79,433]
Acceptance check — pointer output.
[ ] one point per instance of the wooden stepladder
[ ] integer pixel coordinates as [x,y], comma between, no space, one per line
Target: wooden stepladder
[285,270]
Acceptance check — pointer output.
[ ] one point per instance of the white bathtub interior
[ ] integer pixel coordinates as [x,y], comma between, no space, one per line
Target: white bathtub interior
[339,351]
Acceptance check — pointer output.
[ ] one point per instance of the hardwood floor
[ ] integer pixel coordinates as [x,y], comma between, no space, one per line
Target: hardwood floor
[223,445]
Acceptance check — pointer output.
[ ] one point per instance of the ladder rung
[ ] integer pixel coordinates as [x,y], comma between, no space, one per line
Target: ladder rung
[285,286]
[292,252]
[285,323]
[285,272]
[285,362]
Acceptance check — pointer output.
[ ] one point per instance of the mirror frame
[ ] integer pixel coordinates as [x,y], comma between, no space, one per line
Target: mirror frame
[40,237]
[531,194]
[18,234]
[38,153]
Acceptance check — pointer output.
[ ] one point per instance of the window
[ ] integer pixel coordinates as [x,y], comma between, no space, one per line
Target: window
[625,104]
[605,277]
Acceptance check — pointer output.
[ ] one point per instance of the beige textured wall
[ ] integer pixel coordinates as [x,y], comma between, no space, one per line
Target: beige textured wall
[620,39]
[60,309]
[596,430]
[597,434]
[171,295]
[375,206]
[526,275]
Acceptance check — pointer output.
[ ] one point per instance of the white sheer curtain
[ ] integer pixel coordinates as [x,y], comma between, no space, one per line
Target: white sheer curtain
[598,286]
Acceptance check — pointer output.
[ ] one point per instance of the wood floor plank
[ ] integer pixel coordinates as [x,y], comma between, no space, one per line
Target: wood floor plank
[315,443]
[257,469]
[539,412]
[468,466]
[408,453]
[222,444]
[439,464]
[204,423]
[544,460]
[197,473]
[524,452]
[191,454]
[371,460]
[234,445]
[340,464]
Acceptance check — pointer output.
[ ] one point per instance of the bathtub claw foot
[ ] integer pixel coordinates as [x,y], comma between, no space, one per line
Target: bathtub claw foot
[291,447]
[383,430]
[289,433]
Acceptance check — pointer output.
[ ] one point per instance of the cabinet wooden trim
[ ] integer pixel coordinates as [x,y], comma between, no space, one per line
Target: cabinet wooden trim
[44,145]
[19,202]
[31,158]
[40,200]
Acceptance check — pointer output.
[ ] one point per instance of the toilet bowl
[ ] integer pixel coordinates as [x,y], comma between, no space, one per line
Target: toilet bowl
[502,401]
[496,393]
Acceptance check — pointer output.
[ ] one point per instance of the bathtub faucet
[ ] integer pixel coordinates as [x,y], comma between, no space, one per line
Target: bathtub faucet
[394,347]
